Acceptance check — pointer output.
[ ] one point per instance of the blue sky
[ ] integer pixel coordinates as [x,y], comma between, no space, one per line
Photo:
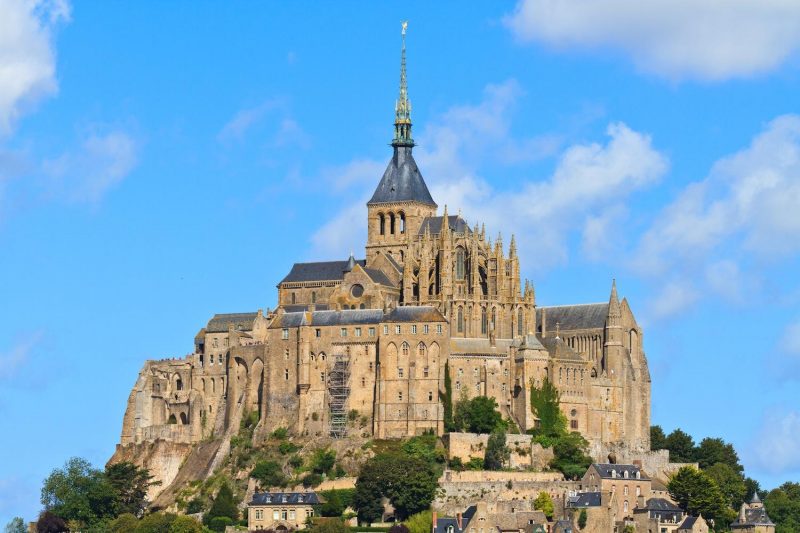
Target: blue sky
[153,159]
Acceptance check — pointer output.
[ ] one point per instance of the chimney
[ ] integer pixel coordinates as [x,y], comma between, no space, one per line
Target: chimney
[544,322]
[460,520]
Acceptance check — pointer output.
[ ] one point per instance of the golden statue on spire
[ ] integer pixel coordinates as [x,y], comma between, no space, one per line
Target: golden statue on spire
[404,25]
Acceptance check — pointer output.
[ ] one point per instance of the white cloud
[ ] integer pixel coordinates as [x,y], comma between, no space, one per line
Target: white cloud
[601,237]
[87,173]
[589,179]
[702,39]
[726,279]
[750,199]
[345,233]
[675,297]
[236,128]
[18,355]
[790,342]
[775,447]
[27,55]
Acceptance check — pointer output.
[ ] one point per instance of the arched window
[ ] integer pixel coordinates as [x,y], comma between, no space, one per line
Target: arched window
[520,327]
[313,297]
[483,321]
[460,264]
[184,419]
[460,320]
[382,221]
[421,349]
[179,384]
[625,506]
[294,298]
[391,223]
[405,348]
[494,318]
[172,419]
[402,221]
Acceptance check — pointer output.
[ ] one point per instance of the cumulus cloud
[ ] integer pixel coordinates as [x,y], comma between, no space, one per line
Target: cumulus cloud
[589,180]
[87,173]
[701,39]
[751,199]
[775,447]
[27,55]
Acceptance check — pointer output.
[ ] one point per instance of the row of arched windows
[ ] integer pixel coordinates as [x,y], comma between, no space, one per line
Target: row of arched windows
[392,223]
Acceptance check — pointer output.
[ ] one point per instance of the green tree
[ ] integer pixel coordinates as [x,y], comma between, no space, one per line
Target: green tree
[447,400]
[582,517]
[333,506]
[544,503]
[730,482]
[696,493]
[658,440]
[155,523]
[124,523]
[545,406]
[79,492]
[50,523]
[783,507]
[480,415]
[570,456]
[268,474]
[185,524]
[419,522]
[322,461]
[16,525]
[681,447]
[220,523]
[712,451]
[131,484]
[223,506]
[409,482]
[497,453]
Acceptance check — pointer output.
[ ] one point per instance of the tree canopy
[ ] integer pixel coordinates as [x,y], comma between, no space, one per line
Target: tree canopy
[497,453]
[783,506]
[545,406]
[697,493]
[477,415]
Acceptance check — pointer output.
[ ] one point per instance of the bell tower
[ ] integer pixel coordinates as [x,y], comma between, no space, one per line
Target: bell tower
[402,200]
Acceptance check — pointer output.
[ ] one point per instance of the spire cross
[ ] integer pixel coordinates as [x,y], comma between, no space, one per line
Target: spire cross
[402,119]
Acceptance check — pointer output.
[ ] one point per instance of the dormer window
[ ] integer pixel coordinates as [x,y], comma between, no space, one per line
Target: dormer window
[269,498]
[285,498]
[613,473]
[625,474]
[300,499]
[638,475]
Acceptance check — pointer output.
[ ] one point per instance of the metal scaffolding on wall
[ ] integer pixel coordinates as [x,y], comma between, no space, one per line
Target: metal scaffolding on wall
[338,393]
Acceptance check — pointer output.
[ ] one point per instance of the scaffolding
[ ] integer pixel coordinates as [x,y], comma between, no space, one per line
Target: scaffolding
[338,393]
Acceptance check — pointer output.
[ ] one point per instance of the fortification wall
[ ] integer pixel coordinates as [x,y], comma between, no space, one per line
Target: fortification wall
[525,454]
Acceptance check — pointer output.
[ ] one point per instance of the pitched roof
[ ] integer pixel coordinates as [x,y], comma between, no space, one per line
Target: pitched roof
[414,313]
[320,271]
[379,277]
[434,225]
[753,517]
[241,321]
[687,523]
[570,317]
[559,349]
[402,181]
[442,524]
[357,317]
[585,499]
[285,498]
[479,346]
[661,504]
[605,470]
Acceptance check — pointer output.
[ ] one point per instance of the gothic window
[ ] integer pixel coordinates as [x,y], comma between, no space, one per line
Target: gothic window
[519,322]
[286,354]
[439,329]
[425,372]
[313,297]
[405,348]
[625,506]
[421,350]
[179,384]
[483,321]
[402,222]
[322,377]
[460,320]
[460,264]
[294,298]
[399,372]
[494,318]
[458,385]
[391,223]
[382,220]
[397,330]
[184,419]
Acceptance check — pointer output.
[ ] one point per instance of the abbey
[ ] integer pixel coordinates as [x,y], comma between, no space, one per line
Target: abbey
[361,346]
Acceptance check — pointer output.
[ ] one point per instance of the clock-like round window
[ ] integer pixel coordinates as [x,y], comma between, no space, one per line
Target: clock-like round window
[573,412]
[357,290]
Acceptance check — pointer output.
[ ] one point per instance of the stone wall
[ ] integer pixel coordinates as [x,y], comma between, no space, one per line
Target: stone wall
[459,490]
[655,463]
[525,454]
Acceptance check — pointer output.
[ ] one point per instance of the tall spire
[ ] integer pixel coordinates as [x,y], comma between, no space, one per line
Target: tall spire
[402,108]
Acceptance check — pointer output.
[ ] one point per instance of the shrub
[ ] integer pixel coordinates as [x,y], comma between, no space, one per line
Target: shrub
[268,474]
[352,416]
[220,523]
[296,461]
[287,447]
[322,461]
[312,480]
[582,519]
[195,506]
[280,434]
[456,464]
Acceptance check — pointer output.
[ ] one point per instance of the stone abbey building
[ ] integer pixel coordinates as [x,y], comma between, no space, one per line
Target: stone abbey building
[362,345]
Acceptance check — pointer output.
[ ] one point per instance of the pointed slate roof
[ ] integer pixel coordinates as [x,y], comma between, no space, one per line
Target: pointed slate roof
[402,181]
[572,317]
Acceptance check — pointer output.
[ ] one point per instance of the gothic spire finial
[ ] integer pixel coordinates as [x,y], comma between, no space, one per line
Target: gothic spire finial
[402,109]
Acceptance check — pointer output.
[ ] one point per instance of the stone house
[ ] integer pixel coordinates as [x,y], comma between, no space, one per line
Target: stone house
[281,511]
[627,482]
[753,518]
[693,524]
[484,517]
[657,515]
[600,507]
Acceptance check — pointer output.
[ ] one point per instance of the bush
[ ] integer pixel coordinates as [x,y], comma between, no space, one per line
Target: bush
[352,416]
[280,434]
[287,447]
[195,506]
[456,464]
[582,519]
[322,461]
[474,463]
[223,506]
[312,480]
[295,461]
[185,524]
[249,421]
[220,523]
[268,474]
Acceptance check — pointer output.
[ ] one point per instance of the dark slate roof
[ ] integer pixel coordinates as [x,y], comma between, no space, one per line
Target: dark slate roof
[443,523]
[559,349]
[292,498]
[434,225]
[605,470]
[394,262]
[688,522]
[414,313]
[753,517]
[661,504]
[304,307]
[402,181]
[242,321]
[378,277]
[322,271]
[570,317]
[585,499]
